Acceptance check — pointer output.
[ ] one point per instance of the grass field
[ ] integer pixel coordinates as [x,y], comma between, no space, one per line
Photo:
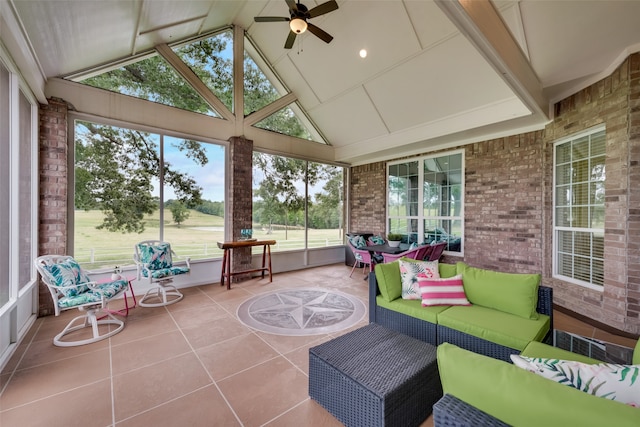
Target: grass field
[196,238]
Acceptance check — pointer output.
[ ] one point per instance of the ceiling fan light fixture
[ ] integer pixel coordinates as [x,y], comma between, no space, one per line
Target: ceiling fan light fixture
[298,25]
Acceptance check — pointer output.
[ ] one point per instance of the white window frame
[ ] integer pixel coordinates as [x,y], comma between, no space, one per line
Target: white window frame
[556,229]
[420,217]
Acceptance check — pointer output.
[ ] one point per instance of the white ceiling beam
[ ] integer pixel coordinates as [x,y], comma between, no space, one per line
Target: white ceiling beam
[269,109]
[191,77]
[481,23]
[238,78]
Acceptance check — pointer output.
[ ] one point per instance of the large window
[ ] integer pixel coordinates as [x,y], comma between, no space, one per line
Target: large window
[425,200]
[579,183]
[133,185]
[296,202]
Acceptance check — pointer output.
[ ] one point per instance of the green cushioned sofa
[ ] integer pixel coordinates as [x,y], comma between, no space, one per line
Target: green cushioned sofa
[482,391]
[508,310]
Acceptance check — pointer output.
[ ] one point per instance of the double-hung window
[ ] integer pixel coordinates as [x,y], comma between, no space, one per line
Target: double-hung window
[579,183]
[425,199]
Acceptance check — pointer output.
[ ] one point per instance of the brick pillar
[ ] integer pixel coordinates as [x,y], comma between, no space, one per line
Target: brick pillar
[240,199]
[52,166]
[368,193]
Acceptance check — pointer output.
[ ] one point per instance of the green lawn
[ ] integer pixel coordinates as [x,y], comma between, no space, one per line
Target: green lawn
[196,238]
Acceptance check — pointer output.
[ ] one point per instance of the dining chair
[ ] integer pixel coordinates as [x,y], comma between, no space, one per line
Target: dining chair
[362,256]
[411,253]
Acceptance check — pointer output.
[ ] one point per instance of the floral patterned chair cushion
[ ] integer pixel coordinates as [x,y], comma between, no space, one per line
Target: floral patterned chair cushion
[106,290]
[68,276]
[156,257]
[164,272]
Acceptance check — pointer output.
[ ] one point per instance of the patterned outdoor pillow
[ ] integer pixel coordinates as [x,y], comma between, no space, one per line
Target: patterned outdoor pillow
[377,240]
[609,380]
[409,270]
[156,256]
[68,273]
[442,291]
[358,242]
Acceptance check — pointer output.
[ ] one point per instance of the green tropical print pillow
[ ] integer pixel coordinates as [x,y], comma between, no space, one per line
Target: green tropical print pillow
[67,273]
[609,380]
[156,257]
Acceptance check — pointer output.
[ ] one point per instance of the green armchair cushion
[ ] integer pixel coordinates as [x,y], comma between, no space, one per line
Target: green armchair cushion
[508,292]
[389,282]
[412,307]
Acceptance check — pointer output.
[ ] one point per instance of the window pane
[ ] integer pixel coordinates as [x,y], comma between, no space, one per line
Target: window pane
[25,243]
[118,192]
[5,185]
[155,80]
[194,228]
[279,200]
[579,204]
[211,59]
[325,206]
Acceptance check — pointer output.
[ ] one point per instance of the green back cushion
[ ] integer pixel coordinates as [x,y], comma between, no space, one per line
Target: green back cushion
[522,398]
[447,270]
[636,354]
[389,283]
[508,292]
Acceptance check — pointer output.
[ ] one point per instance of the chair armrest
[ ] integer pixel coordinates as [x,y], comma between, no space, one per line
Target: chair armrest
[451,411]
[545,303]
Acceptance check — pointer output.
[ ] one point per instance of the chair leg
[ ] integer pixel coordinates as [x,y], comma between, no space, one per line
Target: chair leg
[353,268]
[89,320]
[161,293]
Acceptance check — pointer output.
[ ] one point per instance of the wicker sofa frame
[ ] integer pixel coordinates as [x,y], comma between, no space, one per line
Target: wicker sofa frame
[451,411]
[437,334]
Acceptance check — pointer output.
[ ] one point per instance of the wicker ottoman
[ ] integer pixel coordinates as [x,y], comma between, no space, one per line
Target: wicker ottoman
[374,376]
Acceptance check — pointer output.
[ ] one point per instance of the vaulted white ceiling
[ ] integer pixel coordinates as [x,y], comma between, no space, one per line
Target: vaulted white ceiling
[438,72]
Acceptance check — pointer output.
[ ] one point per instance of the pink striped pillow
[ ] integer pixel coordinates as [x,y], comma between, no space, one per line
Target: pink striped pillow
[447,291]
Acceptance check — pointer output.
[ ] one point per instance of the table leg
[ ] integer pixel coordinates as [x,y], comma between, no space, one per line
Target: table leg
[229,270]
[264,251]
[224,265]
[269,254]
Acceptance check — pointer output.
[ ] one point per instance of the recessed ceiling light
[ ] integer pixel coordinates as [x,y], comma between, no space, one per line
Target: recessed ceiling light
[363,53]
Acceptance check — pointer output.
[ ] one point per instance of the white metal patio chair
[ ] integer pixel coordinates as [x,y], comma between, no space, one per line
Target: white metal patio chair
[72,288]
[154,260]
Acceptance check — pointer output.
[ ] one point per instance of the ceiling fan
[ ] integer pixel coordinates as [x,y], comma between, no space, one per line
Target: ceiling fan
[298,20]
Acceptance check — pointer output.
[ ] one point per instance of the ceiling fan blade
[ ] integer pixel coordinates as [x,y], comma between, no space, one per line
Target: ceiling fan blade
[290,39]
[292,4]
[327,7]
[321,34]
[271,18]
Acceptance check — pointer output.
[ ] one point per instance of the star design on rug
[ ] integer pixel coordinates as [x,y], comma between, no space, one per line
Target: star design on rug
[302,309]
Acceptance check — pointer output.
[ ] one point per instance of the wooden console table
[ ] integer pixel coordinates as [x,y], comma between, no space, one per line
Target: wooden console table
[226,258]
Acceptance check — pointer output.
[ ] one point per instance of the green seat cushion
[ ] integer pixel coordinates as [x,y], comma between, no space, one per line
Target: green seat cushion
[492,325]
[412,308]
[522,398]
[509,292]
[447,270]
[389,282]
[546,351]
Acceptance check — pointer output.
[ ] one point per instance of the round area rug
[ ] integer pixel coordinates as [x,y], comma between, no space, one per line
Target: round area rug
[305,311]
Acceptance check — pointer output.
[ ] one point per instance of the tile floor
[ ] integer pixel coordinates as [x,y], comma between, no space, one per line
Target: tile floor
[189,364]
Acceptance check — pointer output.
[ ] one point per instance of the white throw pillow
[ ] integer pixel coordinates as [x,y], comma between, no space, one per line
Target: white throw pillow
[609,380]
[409,271]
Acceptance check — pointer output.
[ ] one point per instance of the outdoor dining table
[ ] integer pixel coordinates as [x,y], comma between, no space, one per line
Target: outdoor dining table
[385,248]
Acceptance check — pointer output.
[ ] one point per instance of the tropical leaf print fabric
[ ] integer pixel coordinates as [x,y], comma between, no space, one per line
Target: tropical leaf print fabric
[108,290]
[409,274]
[156,257]
[68,276]
[609,380]
[164,272]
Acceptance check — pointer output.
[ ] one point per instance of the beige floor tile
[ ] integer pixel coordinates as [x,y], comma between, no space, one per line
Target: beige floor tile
[146,388]
[82,406]
[308,413]
[199,316]
[31,384]
[144,326]
[148,351]
[201,408]
[286,344]
[263,392]
[222,329]
[235,355]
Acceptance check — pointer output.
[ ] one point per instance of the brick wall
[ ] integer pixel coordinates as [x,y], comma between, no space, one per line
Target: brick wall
[367,192]
[240,200]
[52,223]
[509,199]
